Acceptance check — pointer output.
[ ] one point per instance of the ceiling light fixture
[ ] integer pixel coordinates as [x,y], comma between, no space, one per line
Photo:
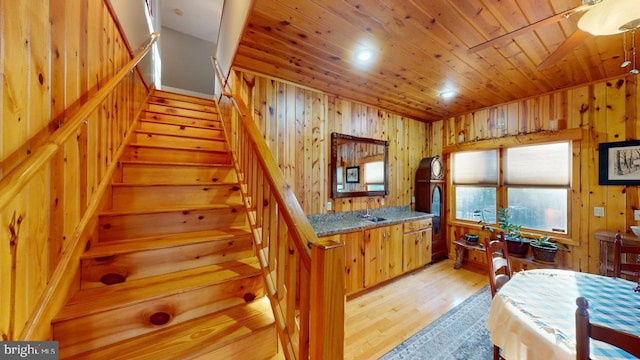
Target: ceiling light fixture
[626,61]
[610,17]
[447,94]
[364,55]
[635,70]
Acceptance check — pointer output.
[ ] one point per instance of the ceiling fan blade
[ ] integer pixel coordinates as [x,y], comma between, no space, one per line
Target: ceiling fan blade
[565,48]
[532,27]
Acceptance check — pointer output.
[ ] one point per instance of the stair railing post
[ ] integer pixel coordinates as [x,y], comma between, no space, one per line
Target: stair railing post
[327,301]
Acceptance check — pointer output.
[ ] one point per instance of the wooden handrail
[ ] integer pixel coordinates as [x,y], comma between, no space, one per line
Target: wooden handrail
[296,218]
[13,183]
[304,284]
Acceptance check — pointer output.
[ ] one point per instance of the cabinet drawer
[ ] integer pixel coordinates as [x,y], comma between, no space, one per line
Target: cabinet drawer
[417,225]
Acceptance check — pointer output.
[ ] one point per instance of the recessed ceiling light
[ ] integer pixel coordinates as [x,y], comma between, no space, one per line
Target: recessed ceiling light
[447,94]
[178,12]
[364,55]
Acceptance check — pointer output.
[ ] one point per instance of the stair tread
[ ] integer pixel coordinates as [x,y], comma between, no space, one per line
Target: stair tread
[168,122]
[160,163]
[169,209]
[177,148]
[199,184]
[163,241]
[192,338]
[181,135]
[99,299]
[178,96]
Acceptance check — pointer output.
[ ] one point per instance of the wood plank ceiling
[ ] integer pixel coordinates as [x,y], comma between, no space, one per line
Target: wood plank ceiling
[422,48]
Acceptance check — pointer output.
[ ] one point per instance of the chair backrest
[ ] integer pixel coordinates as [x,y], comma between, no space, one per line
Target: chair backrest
[498,264]
[586,330]
[625,259]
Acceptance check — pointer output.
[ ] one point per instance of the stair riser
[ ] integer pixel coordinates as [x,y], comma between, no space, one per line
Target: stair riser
[162,109]
[183,98]
[127,226]
[178,120]
[152,197]
[133,173]
[181,130]
[144,264]
[261,344]
[142,153]
[244,330]
[142,138]
[109,327]
[182,104]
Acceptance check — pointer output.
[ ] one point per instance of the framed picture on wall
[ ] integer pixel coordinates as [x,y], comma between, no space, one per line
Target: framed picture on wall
[619,163]
[353,174]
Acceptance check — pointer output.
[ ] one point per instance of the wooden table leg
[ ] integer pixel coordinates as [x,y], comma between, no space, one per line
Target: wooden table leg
[459,254]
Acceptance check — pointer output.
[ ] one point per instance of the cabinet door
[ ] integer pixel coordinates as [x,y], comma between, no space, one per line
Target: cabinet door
[393,250]
[417,249]
[410,245]
[374,261]
[424,247]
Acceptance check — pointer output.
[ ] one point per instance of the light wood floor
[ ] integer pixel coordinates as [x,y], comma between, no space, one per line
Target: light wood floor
[380,319]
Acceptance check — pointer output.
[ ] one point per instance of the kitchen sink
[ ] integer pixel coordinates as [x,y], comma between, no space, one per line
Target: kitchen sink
[376,219]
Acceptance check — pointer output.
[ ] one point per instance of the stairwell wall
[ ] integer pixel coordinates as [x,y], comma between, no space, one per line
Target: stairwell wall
[55,55]
[297,123]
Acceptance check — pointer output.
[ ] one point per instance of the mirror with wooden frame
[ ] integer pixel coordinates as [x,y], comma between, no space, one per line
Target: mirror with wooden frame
[359,166]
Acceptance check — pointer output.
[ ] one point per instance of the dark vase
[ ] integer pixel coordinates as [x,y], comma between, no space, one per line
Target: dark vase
[471,238]
[517,246]
[544,254]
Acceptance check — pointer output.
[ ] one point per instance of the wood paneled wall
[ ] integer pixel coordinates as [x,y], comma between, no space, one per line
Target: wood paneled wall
[297,123]
[605,111]
[55,55]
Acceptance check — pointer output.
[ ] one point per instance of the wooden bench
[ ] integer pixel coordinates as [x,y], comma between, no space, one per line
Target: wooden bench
[462,251]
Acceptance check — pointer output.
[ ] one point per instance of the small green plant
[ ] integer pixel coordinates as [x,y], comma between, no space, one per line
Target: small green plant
[504,223]
[482,221]
[545,241]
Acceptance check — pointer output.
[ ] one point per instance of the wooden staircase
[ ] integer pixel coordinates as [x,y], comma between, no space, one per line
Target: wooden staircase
[171,271]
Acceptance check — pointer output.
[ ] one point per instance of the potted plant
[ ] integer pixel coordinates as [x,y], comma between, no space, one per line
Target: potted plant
[517,244]
[544,250]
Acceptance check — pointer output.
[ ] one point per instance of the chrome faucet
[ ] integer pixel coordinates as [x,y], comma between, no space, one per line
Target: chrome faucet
[366,215]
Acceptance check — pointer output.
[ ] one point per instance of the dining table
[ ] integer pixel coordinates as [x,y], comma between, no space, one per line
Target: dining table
[533,315]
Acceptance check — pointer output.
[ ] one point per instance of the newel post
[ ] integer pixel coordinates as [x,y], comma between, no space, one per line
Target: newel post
[326,338]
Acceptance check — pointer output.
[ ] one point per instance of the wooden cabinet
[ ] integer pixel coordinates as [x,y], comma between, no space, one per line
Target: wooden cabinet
[382,254]
[378,254]
[417,246]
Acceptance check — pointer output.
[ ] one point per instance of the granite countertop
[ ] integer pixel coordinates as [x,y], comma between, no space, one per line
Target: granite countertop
[335,223]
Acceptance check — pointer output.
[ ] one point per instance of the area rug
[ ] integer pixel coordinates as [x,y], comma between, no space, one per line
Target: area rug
[458,334]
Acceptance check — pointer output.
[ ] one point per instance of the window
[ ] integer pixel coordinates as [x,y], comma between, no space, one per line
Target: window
[475,177]
[374,175]
[535,185]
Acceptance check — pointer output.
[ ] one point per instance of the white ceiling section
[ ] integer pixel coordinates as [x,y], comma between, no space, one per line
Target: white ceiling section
[200,18]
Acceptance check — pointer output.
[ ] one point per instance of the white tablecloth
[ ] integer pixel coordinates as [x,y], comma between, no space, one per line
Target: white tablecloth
[533,315]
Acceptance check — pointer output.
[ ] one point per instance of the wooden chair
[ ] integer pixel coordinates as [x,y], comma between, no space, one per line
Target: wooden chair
[625,259]
[499,266]
[585,330]
[499,272]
